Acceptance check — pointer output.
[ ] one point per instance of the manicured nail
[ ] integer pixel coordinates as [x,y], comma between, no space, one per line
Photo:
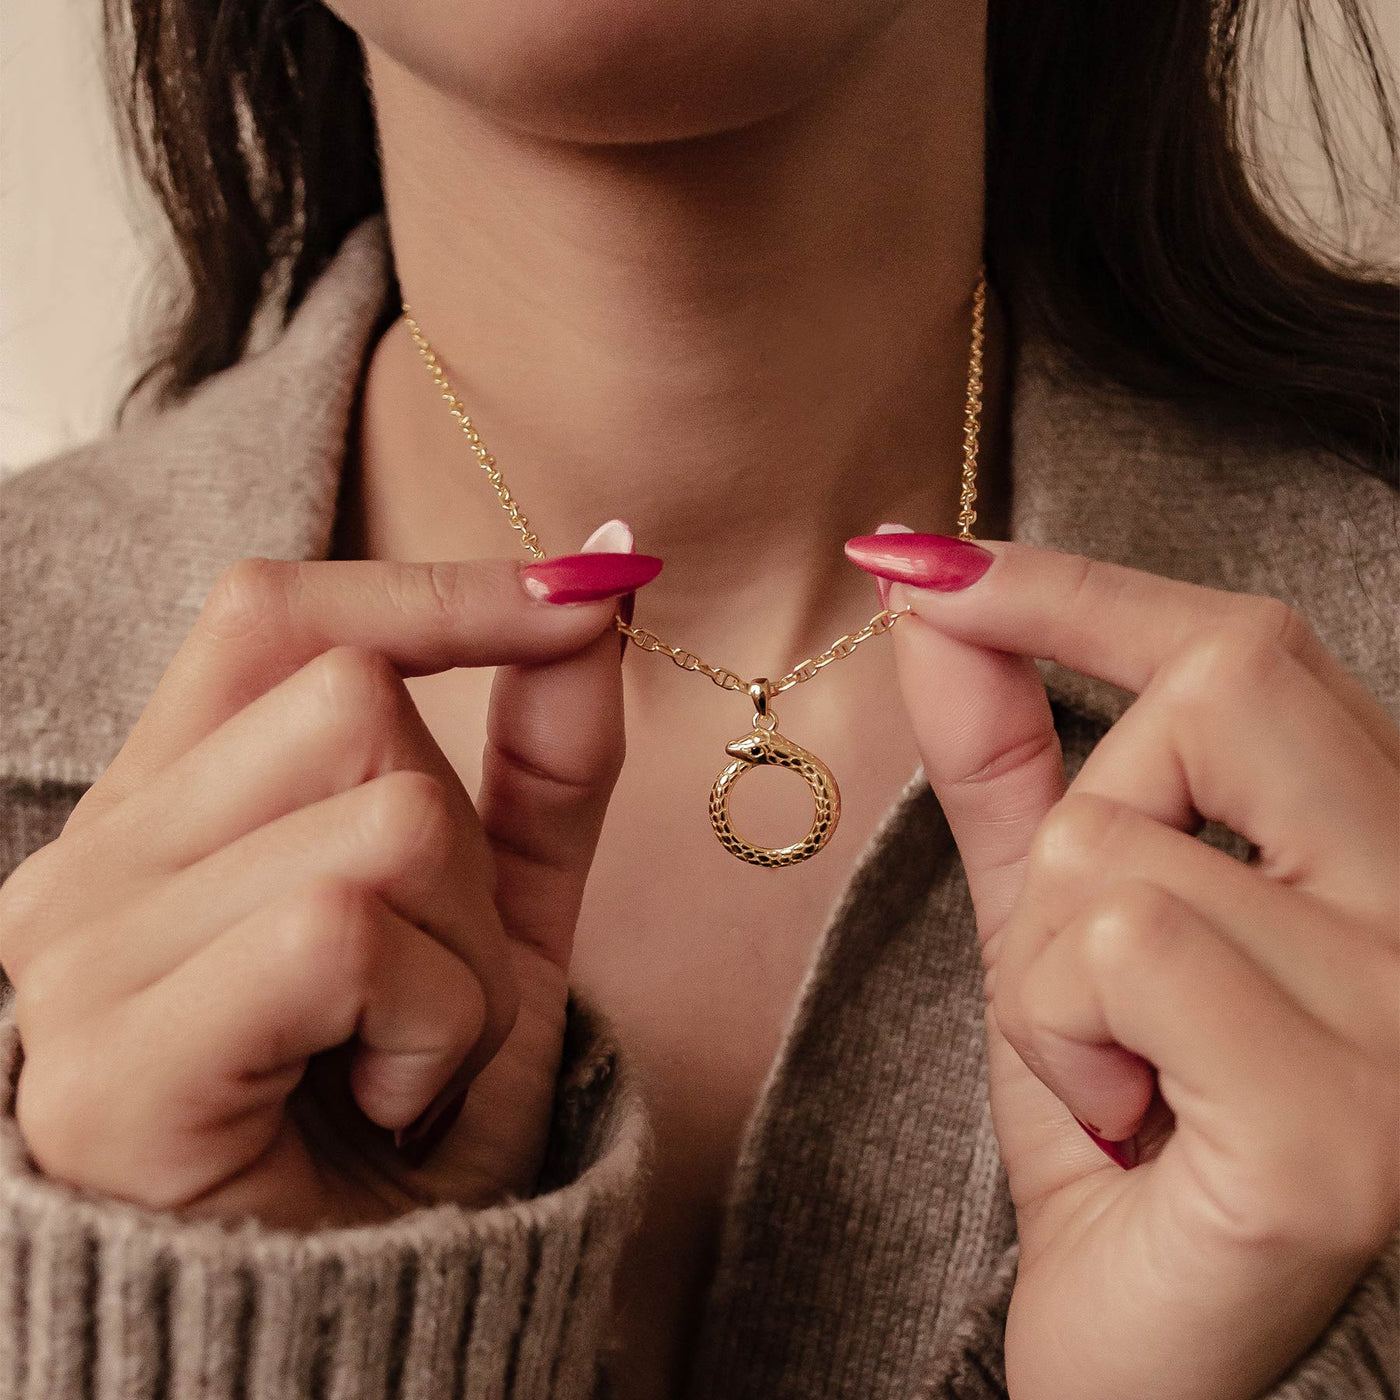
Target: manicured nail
[585,578]
[616,537]
[1124,1153]
[882,585]
[416,1141]
[938,562]
[611,537]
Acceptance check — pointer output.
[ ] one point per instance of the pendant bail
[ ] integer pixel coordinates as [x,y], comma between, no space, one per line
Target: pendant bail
[758,693]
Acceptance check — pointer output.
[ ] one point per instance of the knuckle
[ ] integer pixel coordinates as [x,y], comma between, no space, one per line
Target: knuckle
[1083,577]
[449,585]
[1242,654]
[329,932]
[1130,923]
[1218,662]
[244,594]
[357,688]
[553,785]
[45,990]
[1074,834]
[407,818]
[1270,622]
[27,899]
[451,590]
[56,1109]
[1013,758]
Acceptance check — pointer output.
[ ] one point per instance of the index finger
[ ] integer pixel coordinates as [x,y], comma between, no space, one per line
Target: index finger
[266,618]
[1104,620]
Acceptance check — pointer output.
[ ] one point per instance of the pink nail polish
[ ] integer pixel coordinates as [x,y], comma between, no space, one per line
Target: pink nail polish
[938,562]
[616,537]
[1124,1153]
[585,578]
[882,585]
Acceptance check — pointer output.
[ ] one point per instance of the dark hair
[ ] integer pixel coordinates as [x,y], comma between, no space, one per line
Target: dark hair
[1120,205]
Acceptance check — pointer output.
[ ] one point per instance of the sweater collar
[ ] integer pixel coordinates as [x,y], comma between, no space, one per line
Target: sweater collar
[126,535]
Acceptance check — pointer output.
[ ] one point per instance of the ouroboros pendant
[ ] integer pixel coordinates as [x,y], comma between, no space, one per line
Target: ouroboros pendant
[766,746]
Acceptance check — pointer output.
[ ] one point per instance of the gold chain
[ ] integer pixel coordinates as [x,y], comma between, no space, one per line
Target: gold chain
[687,660]
[972,410]
[464,419]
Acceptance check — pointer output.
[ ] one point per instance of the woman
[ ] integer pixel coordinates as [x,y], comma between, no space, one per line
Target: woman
[312,847]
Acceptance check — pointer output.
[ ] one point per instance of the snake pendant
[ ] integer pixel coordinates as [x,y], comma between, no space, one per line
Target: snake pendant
[764,745]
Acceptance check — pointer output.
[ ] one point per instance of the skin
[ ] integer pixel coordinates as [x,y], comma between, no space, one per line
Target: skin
[279,858]
[1236,1024]
[708,326]
[677,262]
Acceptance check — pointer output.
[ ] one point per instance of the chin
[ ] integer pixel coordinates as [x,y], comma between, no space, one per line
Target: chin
[621,71]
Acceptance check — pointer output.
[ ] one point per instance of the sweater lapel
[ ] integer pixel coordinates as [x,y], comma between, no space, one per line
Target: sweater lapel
[1230,505]
[107,553]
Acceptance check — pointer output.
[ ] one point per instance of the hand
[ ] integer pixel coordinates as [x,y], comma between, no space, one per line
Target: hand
[1231,1028]
[276,929]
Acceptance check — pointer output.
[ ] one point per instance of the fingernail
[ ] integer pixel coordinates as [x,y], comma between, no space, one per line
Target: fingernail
[616,537]
[1124,1153]
[938,562]
[416,1141]
[882,586]
[611,537]
[585,578]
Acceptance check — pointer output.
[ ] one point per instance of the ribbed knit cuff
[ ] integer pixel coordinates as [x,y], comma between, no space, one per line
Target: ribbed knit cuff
[971,1366]
[104,1300]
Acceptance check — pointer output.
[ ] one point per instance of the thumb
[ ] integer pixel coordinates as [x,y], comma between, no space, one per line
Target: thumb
[987,737]
[984,730]
[554,748]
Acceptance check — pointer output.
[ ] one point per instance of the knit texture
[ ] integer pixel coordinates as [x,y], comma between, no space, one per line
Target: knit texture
[105,1299]
[868,1245]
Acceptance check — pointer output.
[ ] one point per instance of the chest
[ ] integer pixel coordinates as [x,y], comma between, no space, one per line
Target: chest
[696,956]
[698,960]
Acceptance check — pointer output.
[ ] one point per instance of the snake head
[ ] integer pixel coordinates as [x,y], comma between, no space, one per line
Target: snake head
[752,748]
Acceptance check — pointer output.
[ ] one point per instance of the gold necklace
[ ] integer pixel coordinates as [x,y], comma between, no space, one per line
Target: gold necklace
[763,744]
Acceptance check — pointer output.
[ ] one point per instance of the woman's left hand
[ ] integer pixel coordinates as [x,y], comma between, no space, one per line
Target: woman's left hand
[1232,1030]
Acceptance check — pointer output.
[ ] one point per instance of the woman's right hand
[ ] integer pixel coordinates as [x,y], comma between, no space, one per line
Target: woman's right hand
[277,920]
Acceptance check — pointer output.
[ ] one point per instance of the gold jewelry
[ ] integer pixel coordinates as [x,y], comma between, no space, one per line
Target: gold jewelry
[763,745]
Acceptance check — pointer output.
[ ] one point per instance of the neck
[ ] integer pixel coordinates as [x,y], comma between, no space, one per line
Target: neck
[749,345]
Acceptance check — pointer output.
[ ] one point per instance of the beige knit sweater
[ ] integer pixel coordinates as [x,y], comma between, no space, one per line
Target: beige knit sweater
[869,1245]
